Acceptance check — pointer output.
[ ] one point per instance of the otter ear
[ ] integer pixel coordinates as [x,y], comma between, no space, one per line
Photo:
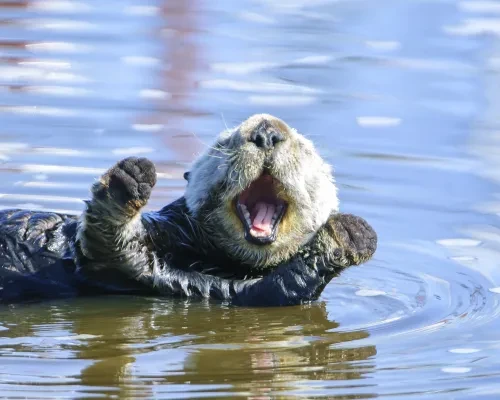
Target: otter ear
[186,175]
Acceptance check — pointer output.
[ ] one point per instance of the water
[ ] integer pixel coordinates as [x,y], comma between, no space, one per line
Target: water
[400,96]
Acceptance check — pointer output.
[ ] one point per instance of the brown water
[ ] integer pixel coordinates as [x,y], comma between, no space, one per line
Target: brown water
[400,96]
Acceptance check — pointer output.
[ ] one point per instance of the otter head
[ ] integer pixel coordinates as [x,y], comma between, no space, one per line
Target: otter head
[261,191]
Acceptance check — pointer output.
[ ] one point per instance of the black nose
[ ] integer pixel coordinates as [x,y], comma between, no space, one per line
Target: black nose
[265,136]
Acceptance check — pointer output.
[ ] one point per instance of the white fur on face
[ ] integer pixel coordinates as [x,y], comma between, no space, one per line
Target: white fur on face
[309,181]
[208,171]
[234,162]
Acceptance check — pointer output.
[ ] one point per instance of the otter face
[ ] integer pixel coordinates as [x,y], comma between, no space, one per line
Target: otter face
[261,191]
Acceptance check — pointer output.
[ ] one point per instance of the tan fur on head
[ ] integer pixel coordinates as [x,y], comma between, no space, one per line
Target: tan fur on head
[227,168]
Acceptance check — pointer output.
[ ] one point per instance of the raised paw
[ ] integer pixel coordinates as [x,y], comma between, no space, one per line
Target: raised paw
[356,239]
[128,183]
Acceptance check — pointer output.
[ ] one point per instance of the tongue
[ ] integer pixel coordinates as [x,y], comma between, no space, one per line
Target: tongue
[263,222]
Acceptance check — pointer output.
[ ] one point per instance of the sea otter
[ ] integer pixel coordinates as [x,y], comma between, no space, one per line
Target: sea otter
[258,225]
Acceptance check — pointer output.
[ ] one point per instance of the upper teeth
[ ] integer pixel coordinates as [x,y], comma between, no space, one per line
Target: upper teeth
[246,214]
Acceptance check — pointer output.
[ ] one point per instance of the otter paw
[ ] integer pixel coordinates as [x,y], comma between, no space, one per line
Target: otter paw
[356,239]
[128,183]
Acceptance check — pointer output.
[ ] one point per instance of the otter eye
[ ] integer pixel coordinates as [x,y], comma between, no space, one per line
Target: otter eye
[186,175]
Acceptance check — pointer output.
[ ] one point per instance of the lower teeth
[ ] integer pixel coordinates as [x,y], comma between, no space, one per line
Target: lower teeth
[259,233]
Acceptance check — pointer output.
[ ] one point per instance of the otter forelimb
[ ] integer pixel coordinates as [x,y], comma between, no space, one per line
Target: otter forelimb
[111,228]
[297,281]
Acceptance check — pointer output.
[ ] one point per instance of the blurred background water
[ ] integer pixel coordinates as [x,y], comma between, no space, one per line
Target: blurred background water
[400,96]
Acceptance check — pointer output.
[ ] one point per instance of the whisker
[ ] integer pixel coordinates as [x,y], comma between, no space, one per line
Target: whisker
[223,120]
[218,149]
[211,155]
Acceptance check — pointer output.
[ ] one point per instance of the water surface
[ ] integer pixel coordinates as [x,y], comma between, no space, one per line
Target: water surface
[401,97]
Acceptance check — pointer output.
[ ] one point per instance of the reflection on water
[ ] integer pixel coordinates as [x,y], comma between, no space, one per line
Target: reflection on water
[400,96]
[169,344]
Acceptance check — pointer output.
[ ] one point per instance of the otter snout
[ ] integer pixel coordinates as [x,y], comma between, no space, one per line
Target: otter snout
[265,136]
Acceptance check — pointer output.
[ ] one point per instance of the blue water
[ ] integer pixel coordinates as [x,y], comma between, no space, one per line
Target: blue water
[401,97]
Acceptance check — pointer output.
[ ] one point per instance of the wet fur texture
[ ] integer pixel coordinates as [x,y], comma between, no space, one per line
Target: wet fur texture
[195,246]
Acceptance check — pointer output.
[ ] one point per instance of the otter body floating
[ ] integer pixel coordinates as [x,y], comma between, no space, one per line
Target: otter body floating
[258,225]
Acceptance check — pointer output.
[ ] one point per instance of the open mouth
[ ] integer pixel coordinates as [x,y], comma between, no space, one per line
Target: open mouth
[261,210]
